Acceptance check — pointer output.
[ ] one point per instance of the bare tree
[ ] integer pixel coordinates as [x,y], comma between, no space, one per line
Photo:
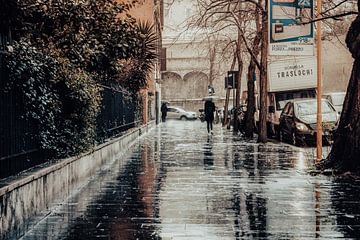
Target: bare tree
[344,155]
[224,14]
[248,18]
[251,74]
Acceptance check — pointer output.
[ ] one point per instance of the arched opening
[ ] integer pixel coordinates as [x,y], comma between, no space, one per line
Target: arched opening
[196,84]
[171,83]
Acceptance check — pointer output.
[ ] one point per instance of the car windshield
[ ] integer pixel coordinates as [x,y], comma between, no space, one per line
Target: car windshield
[338,99]
[282,104]
[310,108]
[179,110]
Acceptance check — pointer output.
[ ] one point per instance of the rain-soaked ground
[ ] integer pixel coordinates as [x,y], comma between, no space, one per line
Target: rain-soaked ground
[178,183]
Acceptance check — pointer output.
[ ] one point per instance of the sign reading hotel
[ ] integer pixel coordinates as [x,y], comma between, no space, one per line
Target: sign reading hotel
[293,73]
[288,35]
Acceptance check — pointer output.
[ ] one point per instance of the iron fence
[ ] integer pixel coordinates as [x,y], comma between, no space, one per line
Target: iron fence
[4,41]
[119,113]
[19,145]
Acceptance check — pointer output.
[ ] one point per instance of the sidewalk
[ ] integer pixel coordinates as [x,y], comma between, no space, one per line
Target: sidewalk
[179,183]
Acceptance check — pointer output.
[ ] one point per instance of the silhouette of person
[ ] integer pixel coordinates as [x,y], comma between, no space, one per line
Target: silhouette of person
[164,110]
[209,110]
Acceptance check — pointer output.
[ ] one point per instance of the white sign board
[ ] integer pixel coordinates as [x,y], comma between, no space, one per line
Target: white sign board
[292,74]
[288,34]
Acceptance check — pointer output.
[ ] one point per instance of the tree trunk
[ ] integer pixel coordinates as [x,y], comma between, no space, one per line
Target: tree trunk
[212,53]
[263,79]
[238,88]
[344,155]
[240,69]
[250,111]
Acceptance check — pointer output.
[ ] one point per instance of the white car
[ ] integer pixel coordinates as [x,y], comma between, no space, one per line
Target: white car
[336,99]
[179,113]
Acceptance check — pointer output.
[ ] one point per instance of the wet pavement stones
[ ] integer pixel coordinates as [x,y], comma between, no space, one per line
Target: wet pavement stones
[179,183]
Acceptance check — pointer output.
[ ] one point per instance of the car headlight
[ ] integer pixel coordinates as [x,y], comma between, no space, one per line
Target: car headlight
[302,127]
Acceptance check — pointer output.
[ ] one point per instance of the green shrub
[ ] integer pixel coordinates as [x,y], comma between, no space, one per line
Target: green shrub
[63,51]
[62,100]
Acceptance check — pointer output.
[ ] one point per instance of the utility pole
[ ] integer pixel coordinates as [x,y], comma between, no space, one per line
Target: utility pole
[263,78]
[319,84]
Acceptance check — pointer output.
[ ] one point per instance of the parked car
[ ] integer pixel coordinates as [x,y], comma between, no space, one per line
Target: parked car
[336,99]
[179,113]
[298,121]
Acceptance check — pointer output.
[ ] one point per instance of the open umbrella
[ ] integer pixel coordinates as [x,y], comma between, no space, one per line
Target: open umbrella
[210,98]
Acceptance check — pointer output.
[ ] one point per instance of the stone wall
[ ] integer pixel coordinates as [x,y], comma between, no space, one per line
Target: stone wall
[196,104]
[24,197]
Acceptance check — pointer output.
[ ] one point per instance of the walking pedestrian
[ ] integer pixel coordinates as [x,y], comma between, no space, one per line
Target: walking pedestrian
[209,110]
[164,110]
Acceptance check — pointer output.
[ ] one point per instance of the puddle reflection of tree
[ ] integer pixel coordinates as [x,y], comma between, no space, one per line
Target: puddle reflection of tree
[249,206]
[346,203]
[208,154]
[120,211]
[317,210]
[161,175]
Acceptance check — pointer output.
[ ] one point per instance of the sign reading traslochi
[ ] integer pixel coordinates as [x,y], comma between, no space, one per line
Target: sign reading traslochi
[288,34]
[292,73]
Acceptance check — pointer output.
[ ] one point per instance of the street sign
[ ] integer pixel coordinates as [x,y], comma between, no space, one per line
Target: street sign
[292,73]
[288,34]
[232,79]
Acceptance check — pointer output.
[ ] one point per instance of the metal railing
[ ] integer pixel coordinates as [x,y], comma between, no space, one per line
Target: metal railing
[19,144]
[118,114]
[5,39]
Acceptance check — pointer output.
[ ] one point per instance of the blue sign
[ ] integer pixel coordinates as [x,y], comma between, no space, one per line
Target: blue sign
[287,18]
[288,31]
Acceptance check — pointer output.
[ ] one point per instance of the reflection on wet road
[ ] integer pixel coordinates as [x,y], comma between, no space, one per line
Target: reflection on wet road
[178,183]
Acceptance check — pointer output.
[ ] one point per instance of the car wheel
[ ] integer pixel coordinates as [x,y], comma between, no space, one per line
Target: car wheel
[183,118]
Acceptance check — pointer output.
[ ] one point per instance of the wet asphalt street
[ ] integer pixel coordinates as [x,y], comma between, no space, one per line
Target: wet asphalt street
[177,183]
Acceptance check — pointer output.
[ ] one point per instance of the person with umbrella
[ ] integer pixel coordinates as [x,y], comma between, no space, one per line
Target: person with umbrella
[209,109]
[164,111]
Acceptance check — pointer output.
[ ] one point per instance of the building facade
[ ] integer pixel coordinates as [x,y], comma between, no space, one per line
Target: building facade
[194,60]
[150,11]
